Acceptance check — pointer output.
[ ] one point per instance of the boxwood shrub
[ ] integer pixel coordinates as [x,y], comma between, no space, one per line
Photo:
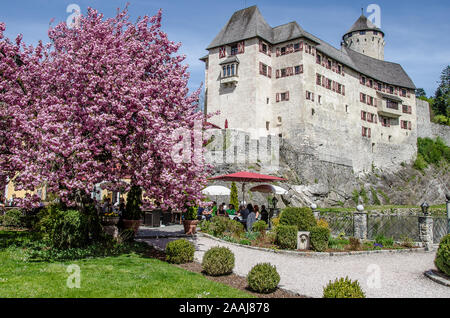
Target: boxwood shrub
[263,278]
[442,260]
[260,226]
[343,288]
[303,218]
[319,238]
[180,252]
[218,261]
[287,236]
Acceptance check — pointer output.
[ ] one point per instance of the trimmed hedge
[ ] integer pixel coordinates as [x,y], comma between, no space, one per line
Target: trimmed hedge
[303,218]
[319,238]
[263,278]
[180,252]
[218,261]
[343,288]
[287,236]
[442,260]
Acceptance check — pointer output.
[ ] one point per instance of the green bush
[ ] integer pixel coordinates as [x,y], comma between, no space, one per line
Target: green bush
[287,236]
[134,201]
[218,261]
[343,288]
[220,225]
[442,260]
[64,229]
[433,151]
[386,242]
[180,252]
[303,218]
[319,238]
[12,218]
[260,226]
[420,163]
[263,278]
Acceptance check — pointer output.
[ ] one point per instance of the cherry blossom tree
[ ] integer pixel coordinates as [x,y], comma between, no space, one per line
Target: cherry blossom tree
[102,102]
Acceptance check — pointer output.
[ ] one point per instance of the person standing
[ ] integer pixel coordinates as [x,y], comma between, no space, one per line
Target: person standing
[256,210]
[264,214]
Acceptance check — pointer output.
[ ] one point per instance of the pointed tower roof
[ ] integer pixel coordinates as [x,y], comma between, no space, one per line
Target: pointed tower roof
[244,24]
[363,24]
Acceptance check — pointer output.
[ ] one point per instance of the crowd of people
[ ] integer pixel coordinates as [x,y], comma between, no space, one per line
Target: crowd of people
[242,214]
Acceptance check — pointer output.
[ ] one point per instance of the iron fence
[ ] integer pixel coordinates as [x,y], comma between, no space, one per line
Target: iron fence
[393,226]
[339,222]
[439,228]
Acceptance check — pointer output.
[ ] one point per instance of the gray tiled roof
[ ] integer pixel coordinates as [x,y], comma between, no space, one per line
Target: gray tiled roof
[249,23]
[244,24]
[363,24]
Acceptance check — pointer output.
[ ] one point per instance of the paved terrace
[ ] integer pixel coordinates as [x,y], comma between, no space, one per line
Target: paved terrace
[401,274]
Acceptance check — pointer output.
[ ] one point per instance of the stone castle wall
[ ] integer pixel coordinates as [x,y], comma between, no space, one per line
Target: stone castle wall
[428,129]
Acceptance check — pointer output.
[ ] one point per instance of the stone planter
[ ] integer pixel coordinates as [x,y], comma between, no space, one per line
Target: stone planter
[109,221]
[132,224]
[190,226]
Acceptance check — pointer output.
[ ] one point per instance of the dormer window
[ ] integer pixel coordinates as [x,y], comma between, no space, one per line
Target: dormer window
[234,49]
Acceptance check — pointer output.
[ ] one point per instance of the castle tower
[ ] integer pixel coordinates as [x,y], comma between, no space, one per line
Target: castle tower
[364,37]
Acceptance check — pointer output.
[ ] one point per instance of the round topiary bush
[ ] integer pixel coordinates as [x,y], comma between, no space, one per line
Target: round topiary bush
[343,288]
[260,226]
[303,218]
[218,261]
[319,237]
[180,252]
[263,278]
[442,260]
[287,236]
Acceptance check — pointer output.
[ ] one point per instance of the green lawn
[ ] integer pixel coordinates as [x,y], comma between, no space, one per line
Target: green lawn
[129,275]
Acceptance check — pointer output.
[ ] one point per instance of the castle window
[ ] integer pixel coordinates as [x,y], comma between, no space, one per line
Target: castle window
[283,50]
[298,69]
[339,88]
[370,83]
[362,32]
[329,83]
[267,125]
[234,49]
[313,112]
[362,80]
[346,108]
[264,48]
[391,104]
[391,89]
[319,79]
[362,97]
[284,96]
[339,69]
[407,109]
[329,64]
[379,86]
[297,47]
[280,120]
[366,132]
[375,32]
[403,92]
[319,59]
[308,95]
[268,100]
[363,115]
[319,99]
[283,72]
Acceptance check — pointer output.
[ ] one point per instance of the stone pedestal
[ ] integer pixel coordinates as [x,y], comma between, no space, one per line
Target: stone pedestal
[426,232]
[360,225]
[111,230]
[303,241]
[316,214]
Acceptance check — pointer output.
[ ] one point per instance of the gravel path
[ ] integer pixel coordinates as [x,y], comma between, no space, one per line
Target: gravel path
[400,276]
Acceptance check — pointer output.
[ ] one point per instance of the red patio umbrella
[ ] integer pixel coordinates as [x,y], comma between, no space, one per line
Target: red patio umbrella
[246,177]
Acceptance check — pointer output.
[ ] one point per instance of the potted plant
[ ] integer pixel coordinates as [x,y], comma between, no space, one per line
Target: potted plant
[190,220]
[133,213]
[110,219]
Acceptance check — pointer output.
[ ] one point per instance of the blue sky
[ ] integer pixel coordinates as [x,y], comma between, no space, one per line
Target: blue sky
[417,32]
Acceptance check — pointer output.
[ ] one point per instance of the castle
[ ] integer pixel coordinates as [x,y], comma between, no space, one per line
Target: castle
[344,106]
